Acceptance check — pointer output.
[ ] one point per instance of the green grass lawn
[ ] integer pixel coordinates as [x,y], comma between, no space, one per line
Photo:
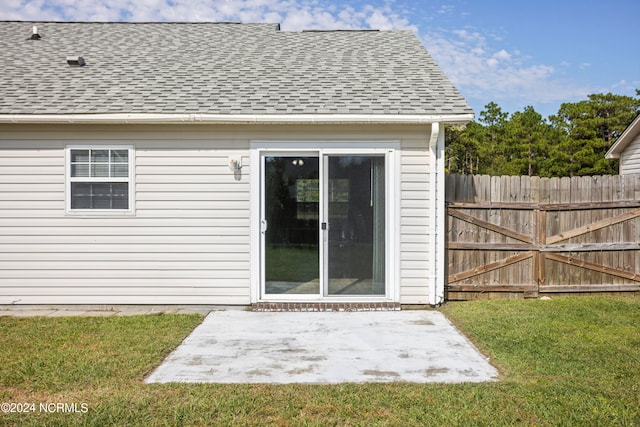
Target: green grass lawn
[568,361]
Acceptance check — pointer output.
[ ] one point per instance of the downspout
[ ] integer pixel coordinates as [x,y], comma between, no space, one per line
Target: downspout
[441,221]
[436,216]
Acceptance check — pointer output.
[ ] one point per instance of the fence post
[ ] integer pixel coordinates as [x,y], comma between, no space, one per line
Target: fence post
[539,240]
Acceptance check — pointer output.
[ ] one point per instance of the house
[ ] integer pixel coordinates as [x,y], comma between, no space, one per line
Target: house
[220,163]
[627,149]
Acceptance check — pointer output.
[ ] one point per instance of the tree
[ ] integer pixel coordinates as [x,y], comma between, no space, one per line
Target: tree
[493,148]
[589,129]
[461,148]
[476,148]
[572,142]
[528,137]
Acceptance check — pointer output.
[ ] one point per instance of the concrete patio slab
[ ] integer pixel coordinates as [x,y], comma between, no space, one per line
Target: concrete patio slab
[325,348]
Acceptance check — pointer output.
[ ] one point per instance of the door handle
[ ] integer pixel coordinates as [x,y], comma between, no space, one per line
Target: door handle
[324,226]
[263,226]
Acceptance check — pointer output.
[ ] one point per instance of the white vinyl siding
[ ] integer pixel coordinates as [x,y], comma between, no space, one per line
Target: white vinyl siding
[189,240]
[630,158]
[416,245]
[187,243]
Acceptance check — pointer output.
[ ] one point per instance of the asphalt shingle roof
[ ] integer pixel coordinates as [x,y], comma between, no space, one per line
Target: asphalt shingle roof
[218,68]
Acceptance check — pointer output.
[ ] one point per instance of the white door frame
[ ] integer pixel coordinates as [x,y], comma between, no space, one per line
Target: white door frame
[391,150]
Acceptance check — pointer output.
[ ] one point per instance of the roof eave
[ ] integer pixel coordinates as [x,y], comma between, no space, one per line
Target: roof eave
[137,118]
[625,139]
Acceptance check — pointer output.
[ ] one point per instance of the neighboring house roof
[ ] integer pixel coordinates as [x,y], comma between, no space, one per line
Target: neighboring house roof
[218,69]
[624,140]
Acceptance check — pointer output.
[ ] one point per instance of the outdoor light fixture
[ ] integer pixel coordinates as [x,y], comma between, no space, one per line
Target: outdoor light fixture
[235,163]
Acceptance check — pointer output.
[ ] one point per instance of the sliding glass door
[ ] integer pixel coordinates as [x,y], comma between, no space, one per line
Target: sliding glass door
[290,224]
[355,214]
[323,225]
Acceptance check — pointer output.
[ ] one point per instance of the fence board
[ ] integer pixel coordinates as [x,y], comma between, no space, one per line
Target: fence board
[509,235]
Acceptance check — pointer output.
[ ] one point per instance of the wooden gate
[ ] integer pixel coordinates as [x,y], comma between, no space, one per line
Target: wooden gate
[522,236]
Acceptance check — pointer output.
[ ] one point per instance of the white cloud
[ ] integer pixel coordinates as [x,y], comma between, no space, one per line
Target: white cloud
[499,57]
[624,87]
[386,19]
[445,9]
[502,55]
[379,20]
[482,72]
[297,19]
[492,62]
[291,14]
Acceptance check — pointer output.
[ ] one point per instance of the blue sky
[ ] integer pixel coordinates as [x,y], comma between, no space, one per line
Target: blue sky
[514,53]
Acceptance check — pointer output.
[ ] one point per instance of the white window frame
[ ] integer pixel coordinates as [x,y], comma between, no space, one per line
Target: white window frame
[390,149]
[130,180]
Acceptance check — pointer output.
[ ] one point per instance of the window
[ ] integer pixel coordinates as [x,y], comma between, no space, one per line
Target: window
[99,179]
[307,198]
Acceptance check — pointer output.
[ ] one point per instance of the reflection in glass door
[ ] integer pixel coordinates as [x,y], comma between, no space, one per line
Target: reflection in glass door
[355,212]
[291,218]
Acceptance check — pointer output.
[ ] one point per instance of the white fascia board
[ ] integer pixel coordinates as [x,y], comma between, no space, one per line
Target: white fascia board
[235,118]
[623,140]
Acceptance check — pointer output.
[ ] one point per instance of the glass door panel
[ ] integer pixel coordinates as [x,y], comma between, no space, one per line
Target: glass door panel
[355,212]
[291,218]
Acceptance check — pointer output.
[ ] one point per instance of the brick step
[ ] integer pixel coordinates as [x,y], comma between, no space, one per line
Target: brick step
[325,306]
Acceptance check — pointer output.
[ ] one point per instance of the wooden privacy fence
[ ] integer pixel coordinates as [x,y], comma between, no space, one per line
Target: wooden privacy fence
[514,236]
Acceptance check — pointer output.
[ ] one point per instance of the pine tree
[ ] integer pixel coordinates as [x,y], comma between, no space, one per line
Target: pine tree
[572,142]
[589,129]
